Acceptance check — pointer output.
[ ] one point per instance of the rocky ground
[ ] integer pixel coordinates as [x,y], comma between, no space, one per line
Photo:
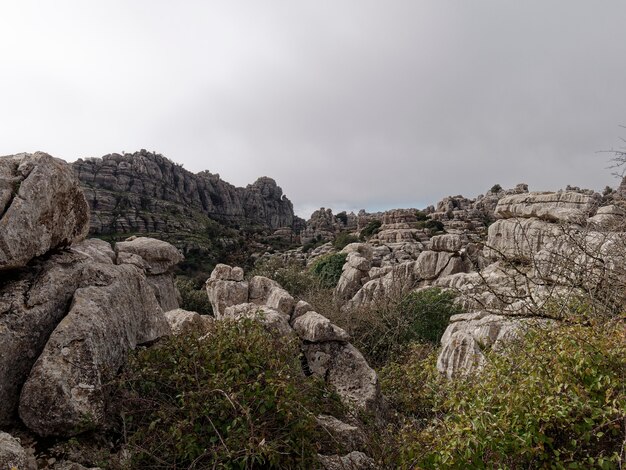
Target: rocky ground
[72,309]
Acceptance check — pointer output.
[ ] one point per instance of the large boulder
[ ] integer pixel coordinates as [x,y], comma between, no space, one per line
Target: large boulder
[520,239]
[184,322]
[469,335]
[12,454]
[42,207]
[65,391]
[567,206]
[33,302]
[159,256]
[345,368]
[226,288]
[316,328]
[275,321]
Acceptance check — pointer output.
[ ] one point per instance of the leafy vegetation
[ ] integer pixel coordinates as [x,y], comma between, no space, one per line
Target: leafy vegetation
[237,399]
[343,239]
[386,328]
[193,296]
[290,274]
[370,229]
[555,400]
[328,269]
[496,188]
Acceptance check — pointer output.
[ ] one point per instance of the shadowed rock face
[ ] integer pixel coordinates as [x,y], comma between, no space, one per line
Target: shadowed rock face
[145,192]
[42,208]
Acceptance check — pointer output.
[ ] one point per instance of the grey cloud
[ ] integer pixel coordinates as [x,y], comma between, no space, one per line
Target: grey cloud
[346,104]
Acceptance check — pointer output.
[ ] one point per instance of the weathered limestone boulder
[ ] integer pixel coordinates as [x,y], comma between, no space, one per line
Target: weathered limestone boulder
[345,368]
[159,256]
[183,322]
[470,334]
[316,328]
[351,437]
[432,264]
[400,279]
[12,454]
[33,301]
[568,206]
[265,291]
[354,271]
[42,207]
[610,217]
[271,318]
[165,291]
[520,238]
[64,394]
[300,309]
[322,225]
[225,288]
[460,355]
[353,461]
[448,242]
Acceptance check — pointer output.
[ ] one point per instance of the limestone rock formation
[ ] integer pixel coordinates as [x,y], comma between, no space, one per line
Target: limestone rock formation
[345,368]
[41,208]
[321,226]
[145,192]
[567,206]
[64,392]
[469,335]
[33,302]
[12,454]
[316,328]
[159,256]
[325,345]
[183,322]
[352,461]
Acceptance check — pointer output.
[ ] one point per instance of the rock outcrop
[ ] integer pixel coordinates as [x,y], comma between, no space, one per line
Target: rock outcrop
[64,394]
[12,454]
[67,319]
[145,192]
[41,208]
[326,348]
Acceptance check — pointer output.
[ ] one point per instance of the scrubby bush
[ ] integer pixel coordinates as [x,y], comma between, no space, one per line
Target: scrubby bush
[555,400]
[237,399]
[343,239]
[370,229]
[421,216]
[384,329]
[193,296]
[290,274]
[496,188]
[342,217]
[328,269]
[434,225]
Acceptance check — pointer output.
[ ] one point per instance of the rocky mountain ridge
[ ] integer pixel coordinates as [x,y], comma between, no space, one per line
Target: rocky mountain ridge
[146,192]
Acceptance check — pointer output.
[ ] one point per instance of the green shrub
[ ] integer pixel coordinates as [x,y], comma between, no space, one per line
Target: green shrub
[193,296]
[370,229]
[383,329]
[343,239]
[496,188]
[555,400]
[328,269]
[290,274]
[237,399]
[434,225]
[342,217]
[421,216]
[428,312]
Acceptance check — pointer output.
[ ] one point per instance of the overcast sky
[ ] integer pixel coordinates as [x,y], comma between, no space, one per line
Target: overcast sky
[347,104]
